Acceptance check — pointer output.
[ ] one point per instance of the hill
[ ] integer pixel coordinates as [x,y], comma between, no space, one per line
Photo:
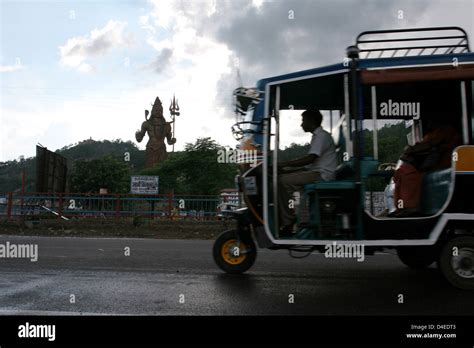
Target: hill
[392,140]
[11,171]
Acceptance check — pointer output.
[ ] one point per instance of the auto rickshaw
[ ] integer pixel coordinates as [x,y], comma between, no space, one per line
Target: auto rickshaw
[429,66]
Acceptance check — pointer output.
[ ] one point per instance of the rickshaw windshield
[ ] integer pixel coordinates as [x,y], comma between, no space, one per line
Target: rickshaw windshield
[325,93]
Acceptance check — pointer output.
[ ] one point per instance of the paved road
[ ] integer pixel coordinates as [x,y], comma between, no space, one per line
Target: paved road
[155,275]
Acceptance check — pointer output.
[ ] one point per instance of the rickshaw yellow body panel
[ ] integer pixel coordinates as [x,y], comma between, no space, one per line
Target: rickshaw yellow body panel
[465,160]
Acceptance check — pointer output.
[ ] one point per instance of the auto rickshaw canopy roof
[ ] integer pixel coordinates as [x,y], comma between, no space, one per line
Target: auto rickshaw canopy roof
[323,85]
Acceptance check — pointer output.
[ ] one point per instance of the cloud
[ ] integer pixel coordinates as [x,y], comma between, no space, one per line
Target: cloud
[267,38]
[195,44]
[283,36]
[162,60]
[275,37]
[144,23]
[74,119]
[99,42]
[189,64]
[186,56]
[10,68]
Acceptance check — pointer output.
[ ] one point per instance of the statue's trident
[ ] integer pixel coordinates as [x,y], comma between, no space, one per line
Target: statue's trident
[174,111]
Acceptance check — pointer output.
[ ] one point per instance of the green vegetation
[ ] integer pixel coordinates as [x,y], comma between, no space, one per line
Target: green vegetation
[292,152]
[101,164]
[11,174]
[195,170]
[106,172]
[87,150]
[91,149]
[392,139]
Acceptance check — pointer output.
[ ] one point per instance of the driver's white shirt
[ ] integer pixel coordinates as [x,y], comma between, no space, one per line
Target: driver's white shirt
[322,145]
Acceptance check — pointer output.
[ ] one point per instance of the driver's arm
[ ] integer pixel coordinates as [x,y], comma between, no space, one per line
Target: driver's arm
[300,162]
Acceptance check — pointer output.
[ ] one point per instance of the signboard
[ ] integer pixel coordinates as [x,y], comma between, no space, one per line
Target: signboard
[141,184]
[51,171]
[377,206]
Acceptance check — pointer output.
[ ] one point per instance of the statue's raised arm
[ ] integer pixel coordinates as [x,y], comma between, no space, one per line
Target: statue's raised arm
[139,134]
[169,134]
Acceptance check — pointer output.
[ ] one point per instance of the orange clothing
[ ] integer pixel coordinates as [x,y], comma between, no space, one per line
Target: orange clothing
[408,181]
[446,139]
[437,147]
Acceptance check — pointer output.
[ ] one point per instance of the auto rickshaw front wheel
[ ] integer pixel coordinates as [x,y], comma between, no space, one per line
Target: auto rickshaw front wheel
[456,262]
[231,254]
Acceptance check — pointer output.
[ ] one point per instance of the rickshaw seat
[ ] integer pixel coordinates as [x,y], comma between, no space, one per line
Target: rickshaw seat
[344,181]
[345,175]
[332,184]
[435,191]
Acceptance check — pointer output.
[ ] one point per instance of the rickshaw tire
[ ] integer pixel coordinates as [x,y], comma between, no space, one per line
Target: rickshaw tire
[240,268]
[445,264]
[417,257]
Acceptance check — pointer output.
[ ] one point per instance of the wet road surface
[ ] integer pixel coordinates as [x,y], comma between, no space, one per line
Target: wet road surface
[179,277]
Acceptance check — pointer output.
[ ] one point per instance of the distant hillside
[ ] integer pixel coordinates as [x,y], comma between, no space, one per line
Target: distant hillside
[11,174]
[392,140]
[11,171]
[292,152]
[90,149]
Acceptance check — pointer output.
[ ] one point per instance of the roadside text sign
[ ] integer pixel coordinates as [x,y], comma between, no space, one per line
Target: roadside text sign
[141,184]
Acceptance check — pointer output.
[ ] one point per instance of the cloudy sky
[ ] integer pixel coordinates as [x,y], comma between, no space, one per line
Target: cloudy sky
[74,70]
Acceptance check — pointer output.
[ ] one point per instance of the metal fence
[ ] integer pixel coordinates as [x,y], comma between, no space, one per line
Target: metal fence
[77,205]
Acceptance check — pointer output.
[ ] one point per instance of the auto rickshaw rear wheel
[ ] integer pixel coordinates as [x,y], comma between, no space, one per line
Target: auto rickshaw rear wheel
[417,257]
[456,262]
[231,254]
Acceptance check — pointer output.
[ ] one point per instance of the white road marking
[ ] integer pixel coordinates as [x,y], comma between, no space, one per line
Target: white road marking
[8,312]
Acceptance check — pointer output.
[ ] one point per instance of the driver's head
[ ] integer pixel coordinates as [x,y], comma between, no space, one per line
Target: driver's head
[312,119]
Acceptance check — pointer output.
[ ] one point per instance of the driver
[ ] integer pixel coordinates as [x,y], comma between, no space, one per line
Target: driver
[319,164]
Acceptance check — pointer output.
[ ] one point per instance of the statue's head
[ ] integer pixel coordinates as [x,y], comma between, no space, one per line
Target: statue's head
[157,110]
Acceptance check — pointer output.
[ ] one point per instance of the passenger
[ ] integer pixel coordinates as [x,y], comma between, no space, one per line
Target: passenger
[319,164]
[432,153]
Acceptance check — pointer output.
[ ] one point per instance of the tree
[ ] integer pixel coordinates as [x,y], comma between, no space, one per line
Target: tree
[195,170]
[392,140]
[90,150]
[106,172]
[292,152]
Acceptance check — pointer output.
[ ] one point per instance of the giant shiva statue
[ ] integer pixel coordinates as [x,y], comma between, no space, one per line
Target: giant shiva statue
[157,129]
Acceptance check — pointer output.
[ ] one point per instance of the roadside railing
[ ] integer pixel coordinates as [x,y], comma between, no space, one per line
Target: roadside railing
[79,205]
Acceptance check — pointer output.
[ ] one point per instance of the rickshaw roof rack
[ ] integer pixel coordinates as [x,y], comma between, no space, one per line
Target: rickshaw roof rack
[412,42]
